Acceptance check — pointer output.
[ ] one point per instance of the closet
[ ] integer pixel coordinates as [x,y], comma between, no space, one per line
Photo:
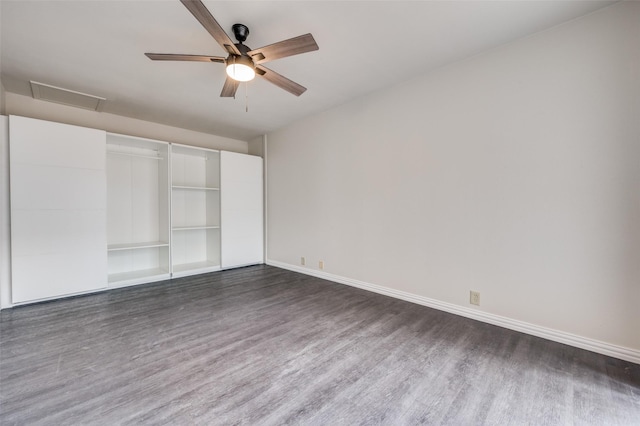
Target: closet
[92,210]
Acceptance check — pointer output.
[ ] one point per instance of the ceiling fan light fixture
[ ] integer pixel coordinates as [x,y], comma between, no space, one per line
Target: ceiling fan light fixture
[241,68]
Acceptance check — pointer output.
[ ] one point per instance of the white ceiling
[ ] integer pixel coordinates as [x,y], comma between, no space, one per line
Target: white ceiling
[98,47]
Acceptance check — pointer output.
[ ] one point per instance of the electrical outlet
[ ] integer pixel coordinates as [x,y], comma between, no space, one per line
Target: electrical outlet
[321,264]
[474,298]
[302,261]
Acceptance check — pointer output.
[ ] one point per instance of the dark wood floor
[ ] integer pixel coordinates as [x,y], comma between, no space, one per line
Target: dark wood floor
[261,345]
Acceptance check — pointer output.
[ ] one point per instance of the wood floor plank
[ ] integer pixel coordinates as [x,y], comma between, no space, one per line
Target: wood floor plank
[261,345]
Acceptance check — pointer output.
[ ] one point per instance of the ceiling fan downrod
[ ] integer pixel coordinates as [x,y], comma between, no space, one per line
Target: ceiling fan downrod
[241,32]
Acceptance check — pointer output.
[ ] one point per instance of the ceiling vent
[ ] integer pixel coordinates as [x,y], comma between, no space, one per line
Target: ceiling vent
[59,95]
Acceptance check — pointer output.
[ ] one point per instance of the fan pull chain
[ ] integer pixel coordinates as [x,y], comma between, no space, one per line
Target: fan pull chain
[246,97]
[234,71]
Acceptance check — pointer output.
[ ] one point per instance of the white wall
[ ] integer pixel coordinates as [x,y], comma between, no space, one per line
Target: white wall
[29,107]
[515,173]
[256,146]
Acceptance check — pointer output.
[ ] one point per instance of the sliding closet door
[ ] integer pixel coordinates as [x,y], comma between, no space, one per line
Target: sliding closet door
[58,209]
[241,209]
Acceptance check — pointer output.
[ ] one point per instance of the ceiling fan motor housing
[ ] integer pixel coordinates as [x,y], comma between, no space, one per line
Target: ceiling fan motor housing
[243,58]
[243,48]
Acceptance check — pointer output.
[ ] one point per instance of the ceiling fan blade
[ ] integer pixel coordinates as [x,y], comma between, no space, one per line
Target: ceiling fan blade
[282,49]
[229,88]
[178,57]
[280,80]
[202,14]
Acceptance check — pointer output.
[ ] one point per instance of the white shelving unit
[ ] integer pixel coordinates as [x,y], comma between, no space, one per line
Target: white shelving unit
[138,202]
[195,210]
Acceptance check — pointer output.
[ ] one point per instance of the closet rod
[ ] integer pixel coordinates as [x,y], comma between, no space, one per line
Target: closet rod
[151,157]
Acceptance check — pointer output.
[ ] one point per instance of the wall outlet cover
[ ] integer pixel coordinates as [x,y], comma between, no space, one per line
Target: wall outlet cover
[474,298]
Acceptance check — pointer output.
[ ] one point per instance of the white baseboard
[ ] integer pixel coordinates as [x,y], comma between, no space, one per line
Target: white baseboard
[620,352]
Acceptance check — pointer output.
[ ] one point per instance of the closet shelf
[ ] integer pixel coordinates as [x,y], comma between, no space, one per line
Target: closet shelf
[130,154]
[201,188]
[134,275]
[184,267]
[136,246]
[189,228]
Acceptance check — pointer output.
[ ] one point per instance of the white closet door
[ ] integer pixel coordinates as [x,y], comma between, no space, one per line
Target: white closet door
[241,209]
[5,213]
[58,209]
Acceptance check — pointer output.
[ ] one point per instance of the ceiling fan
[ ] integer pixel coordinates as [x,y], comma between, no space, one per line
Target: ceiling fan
[243,63]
